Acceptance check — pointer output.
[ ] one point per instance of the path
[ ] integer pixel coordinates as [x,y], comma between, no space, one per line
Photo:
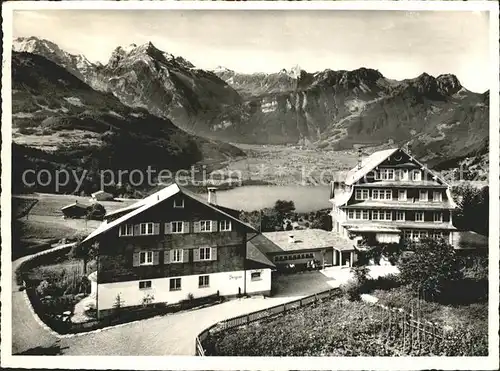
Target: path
[172,334]
[27,331]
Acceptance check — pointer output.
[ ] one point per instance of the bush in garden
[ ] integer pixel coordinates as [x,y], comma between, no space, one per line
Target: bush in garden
[431,267]
[360,274]
[352,290]
[42,288]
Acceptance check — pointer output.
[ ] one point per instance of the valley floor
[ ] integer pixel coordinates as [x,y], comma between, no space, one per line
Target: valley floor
[298,165]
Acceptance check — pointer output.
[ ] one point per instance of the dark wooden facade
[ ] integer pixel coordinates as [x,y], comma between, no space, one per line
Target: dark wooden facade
[118,254]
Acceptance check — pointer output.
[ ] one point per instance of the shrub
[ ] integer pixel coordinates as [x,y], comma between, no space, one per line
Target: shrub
[96,212]
[42,288]
[360,274]
[351,290]
[431,267]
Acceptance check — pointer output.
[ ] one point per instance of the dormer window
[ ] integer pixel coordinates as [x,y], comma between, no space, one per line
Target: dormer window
[179,203]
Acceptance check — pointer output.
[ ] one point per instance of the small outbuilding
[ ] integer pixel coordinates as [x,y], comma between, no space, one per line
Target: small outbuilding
[102,196]
[75,210]
[298,247]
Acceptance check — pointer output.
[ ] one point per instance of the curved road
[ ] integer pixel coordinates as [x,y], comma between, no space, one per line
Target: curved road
[172,334]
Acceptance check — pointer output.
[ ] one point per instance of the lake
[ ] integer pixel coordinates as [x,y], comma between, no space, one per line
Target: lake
[249,198]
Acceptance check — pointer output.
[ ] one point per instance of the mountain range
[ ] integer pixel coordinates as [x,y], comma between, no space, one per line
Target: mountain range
[442,120]
[61,123]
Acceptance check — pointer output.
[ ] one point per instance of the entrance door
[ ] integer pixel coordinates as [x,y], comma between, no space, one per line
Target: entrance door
[346,259]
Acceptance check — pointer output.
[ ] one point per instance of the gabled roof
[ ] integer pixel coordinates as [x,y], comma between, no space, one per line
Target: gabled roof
[367,165]
[375,159]
[75,204]
[154,200]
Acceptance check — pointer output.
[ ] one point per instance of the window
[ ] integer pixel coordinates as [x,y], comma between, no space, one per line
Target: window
[358,214]
[423,196]
[146,228]
[366,215]
[175,284]
[255,276]
[362,194]
[419,216]
[402,195]
[143,285]
[416,175]
[179,203]
[177,255]
[225,225]
[386,174]
[127,230]
[437,197]
[203,281]
[382,194]
[205,253]
[206,226]
[350,214]
[177,227]
[381,215]
[146,258]
[400,216]
[407,235]
[438,217]
[402,174]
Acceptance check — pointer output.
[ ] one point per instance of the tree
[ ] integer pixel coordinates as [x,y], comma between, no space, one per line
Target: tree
[473,209]
[431,267]
[96,212]
[284,208]
[85,251]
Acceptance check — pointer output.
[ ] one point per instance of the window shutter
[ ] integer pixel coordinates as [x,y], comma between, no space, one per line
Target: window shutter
[137,230]
[136,260]
[168,228]
[156,257]
[156,228]
[166,257]
[186,227]
[185,258]
[213,253]
[171,256]
[196,255]
[214,225]
[196,227]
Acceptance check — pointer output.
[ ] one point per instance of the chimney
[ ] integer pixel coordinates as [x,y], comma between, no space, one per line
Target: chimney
[212,195]
[291,239]
[360,155]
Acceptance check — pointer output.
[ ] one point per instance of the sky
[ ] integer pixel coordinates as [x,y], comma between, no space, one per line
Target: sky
[399,44]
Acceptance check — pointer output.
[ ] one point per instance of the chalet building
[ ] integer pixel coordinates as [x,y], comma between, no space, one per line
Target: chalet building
[172,245]
[391,196]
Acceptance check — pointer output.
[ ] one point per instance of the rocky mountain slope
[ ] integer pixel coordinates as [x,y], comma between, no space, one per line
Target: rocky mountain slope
[60,122]
[328,109]
[440,118]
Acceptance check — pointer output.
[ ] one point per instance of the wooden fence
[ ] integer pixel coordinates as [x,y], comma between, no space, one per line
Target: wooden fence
[246,319]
